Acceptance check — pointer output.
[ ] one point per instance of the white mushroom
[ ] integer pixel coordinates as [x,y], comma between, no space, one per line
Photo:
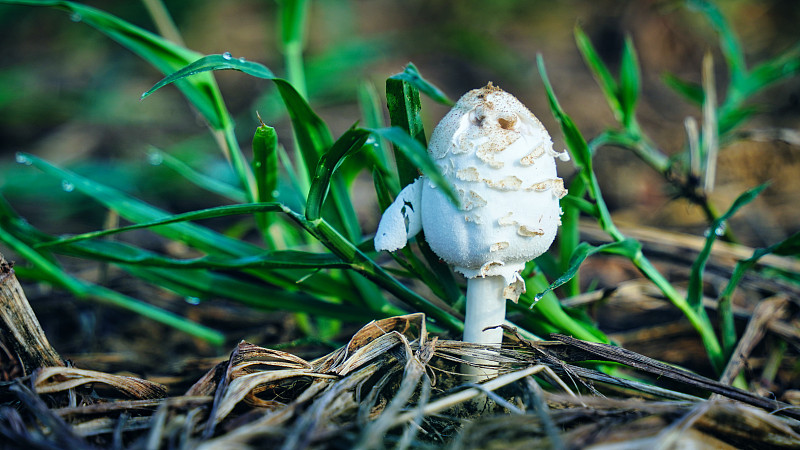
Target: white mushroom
[501,162]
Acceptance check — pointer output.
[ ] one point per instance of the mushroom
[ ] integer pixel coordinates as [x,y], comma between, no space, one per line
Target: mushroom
[501,163]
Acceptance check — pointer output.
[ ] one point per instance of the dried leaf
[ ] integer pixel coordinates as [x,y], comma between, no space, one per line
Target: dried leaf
[56,379]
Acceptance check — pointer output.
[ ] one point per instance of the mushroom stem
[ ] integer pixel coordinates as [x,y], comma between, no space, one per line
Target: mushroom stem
[486,307]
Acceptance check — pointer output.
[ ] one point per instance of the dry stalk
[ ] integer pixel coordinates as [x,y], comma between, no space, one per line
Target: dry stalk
[20,331]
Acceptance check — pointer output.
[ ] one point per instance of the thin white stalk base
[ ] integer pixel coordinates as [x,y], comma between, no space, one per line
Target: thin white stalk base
[486,307]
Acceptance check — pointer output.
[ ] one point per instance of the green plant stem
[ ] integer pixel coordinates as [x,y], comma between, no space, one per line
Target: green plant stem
[697,317]
[569,236]
[164,23]
[551,309]
[293,15]
[632,139]
[295,67]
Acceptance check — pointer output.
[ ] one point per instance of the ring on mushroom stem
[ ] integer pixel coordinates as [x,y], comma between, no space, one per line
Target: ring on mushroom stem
[500,161]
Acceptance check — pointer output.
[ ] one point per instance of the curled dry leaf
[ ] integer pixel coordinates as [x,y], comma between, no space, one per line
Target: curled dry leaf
[55,379]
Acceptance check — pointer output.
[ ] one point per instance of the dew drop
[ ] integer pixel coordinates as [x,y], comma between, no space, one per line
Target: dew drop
[275,193]
[242,59]
[257,164]
[154,157]
[192,300]
[67,186]
[75,17]
[227,55]
[22,159]
[721,228]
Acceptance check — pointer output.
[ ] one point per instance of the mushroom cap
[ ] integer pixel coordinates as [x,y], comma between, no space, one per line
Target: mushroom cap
[501,162]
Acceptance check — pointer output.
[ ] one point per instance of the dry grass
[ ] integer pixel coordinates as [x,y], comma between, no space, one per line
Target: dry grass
[394,385]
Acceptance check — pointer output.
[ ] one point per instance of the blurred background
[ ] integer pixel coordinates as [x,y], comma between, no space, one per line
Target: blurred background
[71,95]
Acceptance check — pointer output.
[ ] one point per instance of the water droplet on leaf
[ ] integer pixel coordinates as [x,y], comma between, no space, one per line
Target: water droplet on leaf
[242,59]
[227,55]
[536,299]
[67,186]
[22,159]
[275,193]
[75,17]
[155,157]
[721,228]
[192,300]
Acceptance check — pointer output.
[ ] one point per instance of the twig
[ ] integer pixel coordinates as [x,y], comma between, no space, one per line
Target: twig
[767,311]
[641,362]
[468,394]
[20,329]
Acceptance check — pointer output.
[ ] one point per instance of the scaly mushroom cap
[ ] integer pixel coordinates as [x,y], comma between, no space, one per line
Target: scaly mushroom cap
[501,162]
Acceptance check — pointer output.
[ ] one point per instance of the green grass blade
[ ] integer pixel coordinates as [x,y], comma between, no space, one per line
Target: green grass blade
[350,142]
[729,43]
[381,189]
[132,209]
[781,67]
[166,56]
[729,118]
[204,284]
[372,271]
[629,82]
[370,104]
[292,14]
[577,145]
[688,90]
[695,289]
[579,203]
[380,156]
[418,156]
[569,235]
[202,180]
[550,308]
[312,134]
[209,213]
[402,99]
[209,63]
[120,253]
[412,76]
[85,290]
[628,248]
[172,227]
[601,73]
[787,247]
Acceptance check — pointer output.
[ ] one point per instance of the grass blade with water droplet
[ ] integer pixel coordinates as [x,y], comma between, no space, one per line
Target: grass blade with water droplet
[202,180]
[695,289]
